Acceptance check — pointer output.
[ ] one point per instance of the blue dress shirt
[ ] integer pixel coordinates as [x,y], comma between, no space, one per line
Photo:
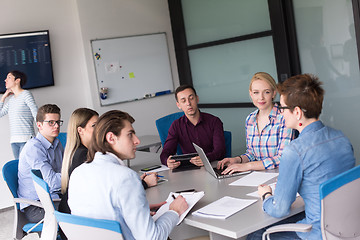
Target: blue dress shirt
[318,154]
[39,153]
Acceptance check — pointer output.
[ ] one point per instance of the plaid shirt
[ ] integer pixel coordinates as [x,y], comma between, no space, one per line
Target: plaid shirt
[267,145]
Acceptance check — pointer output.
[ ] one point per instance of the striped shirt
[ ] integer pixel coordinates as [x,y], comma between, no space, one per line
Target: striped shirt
[22,111]
[267,145]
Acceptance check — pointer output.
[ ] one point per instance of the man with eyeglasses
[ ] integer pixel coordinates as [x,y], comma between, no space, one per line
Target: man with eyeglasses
[43,152]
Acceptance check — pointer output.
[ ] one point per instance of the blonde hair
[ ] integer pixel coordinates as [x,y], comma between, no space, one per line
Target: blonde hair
[79,118]
[265,77]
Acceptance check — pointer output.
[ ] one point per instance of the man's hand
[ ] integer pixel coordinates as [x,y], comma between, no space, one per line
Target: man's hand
[197,161]
[171,163]
[179,205]
[150,179]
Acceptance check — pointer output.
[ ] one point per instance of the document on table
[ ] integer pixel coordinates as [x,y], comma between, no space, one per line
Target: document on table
[254,179]
[162,168]
[191,198]
[223,208]
[255,194]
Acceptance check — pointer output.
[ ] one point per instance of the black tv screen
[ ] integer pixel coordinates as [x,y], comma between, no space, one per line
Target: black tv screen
[28,52]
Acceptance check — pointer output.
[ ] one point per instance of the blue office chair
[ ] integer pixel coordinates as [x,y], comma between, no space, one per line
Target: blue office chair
[62,138]
[228,140]
[340,209]
[79,228]
[50,226]
[163,124]
[22,226]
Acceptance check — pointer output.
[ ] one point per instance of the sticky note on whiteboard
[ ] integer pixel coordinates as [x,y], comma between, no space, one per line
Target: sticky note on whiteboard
[131,75]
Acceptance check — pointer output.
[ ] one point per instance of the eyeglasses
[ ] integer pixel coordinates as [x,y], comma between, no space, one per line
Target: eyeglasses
[281,108]
[52,122]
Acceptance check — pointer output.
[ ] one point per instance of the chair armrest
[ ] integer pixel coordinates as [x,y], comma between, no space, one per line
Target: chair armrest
[291,227]
[28,201]
[56,200]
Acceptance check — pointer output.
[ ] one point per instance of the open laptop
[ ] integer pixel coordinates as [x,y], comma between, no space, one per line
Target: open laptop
[216,173]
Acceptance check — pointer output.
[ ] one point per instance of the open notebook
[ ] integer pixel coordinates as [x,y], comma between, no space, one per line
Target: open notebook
[191,198]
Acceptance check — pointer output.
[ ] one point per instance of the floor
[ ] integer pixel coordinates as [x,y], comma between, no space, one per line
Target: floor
[7,222]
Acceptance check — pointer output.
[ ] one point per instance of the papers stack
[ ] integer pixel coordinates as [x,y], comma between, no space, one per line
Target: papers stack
[191,198]
[224,207]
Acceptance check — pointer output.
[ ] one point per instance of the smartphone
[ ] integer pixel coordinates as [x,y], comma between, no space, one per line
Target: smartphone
[150,168]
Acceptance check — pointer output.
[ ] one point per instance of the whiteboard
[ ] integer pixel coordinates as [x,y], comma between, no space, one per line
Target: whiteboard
[132,68]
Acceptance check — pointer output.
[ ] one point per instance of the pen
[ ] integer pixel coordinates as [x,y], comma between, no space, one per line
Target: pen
[147,174]
[173,196]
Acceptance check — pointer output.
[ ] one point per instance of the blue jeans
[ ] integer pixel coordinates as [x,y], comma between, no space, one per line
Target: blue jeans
[280,235]
[16,148]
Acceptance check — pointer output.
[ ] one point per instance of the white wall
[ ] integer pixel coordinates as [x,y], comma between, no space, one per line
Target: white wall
[72,24]
[107,19]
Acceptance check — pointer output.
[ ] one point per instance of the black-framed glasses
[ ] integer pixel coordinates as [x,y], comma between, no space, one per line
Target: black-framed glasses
[52,122]
[281,108]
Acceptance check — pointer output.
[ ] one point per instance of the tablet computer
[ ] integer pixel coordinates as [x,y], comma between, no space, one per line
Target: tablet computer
[184,157]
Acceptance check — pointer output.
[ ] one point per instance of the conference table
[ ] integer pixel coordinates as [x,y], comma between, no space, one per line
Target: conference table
[236,226]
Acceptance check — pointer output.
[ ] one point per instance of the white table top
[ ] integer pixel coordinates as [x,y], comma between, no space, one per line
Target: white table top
[240,224]
[147,141]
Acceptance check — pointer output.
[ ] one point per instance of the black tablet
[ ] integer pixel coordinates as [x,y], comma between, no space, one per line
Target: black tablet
[184,157]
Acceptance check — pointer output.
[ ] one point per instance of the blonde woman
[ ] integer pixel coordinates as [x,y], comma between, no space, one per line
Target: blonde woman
[79,134]
[266,134]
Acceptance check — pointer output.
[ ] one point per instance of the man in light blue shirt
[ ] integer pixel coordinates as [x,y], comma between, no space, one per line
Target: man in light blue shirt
[44,152]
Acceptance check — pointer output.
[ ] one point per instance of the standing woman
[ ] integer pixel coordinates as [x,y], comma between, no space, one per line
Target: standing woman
[266,134]
[79,134]
[21,108]
[105,188]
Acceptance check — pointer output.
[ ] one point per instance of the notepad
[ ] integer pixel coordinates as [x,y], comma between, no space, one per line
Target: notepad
[254,179]
[191,198]
[224,207]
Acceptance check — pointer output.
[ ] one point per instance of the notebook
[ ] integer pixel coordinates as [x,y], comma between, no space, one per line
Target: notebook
[216,173]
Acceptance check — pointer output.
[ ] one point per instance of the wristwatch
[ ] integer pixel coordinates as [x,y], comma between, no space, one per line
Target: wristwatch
[265,194]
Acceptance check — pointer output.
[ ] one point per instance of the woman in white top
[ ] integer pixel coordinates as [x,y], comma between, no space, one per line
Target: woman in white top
[21,108]
[105,188]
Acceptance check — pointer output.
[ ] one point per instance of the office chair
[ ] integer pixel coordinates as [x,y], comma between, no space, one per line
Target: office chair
[22,226]
[163,124]
[79,228]
[336,222]
[62,138]
[50,226]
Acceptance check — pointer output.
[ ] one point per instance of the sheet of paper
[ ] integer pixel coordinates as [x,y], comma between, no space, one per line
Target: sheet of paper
[163,168]
[223,208]
[254,179]
[255,194]
[191,198]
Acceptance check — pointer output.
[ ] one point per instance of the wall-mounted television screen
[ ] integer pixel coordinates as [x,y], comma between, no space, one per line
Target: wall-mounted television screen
[28,52]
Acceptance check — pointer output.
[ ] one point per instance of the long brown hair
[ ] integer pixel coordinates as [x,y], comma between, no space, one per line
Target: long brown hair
[112,121]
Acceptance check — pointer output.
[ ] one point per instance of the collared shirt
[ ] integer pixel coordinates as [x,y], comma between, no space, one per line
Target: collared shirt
[107,189]
[318,154]
[208,133]
[22,111]
[267,145]
[39,153]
